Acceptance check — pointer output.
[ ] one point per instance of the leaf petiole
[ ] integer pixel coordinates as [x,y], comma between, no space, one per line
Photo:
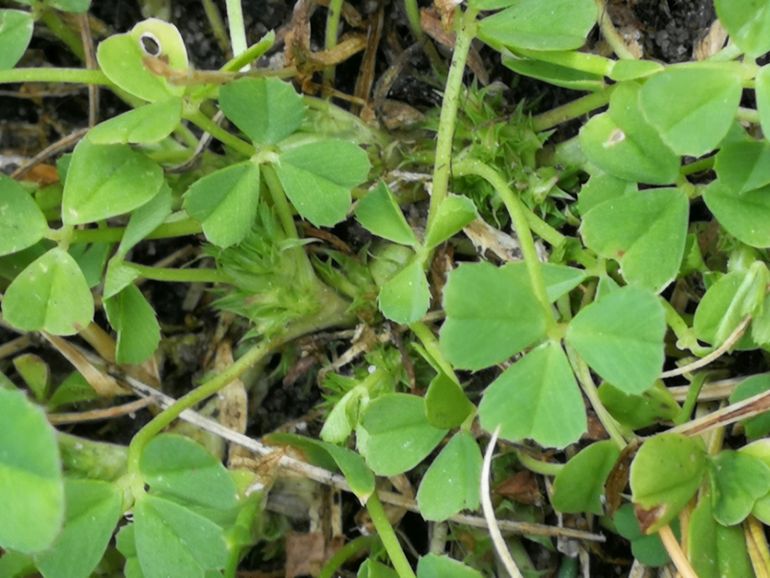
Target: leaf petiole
[388,537]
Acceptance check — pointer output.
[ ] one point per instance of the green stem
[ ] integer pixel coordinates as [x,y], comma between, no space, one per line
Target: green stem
[685,336]
[413,16]
[197,395]
[172,275]
[217,24]
[54,76]
[281,204]
[226,138]
[581,61]
[180,228]
[544,230]
[518,213]
[186,136]
[59,29]
[571,110]
[538,466]
[388,537]
[698,166]
[692,398]
[332,30]
[431,345]
[611,34]
[286,216]
[748,115]
[448,119]
[345,553]
[236,26]
[251,54]
[589,389]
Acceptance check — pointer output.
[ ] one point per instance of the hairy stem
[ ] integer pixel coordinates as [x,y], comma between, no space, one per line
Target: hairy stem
[443,163]
[332,30]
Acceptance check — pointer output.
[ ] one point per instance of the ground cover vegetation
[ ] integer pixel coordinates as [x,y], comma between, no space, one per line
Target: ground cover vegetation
[544,334]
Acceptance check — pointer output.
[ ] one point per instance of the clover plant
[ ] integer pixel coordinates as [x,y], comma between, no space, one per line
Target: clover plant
[638,262]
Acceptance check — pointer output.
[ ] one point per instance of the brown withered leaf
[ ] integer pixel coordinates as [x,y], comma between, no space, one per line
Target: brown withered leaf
[42,174]
[618,478]
[711,43]
[305,554]
[432,24]
[647,518]
[521,487]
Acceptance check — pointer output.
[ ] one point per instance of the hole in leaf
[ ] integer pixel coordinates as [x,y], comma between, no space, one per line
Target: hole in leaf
[150,44]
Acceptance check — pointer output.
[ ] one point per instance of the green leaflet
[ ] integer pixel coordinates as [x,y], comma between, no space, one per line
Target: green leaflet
[742,215]
[93,510]
[379,213]
[451,483]
[225,202]
[122,59]
[621,338]
[737,480]
[22,223]
[716,551]
[132,316]
[147,124]
[491,314]
[699,117]
[50,294]
[665,474]
[405,297]
[397,434]
[578,487]
[319,176]
[748,24]
[107,180]
[31,485]
[759,426]
[15,33]
[538,398]
[531,24]
[432,566]
[644,231]
[267,110]
[625,145]
[172,540]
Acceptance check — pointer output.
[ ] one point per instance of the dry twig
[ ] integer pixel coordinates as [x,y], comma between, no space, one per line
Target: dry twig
[326,477]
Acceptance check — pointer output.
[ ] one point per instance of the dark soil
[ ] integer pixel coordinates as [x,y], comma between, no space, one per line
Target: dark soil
[670,28]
